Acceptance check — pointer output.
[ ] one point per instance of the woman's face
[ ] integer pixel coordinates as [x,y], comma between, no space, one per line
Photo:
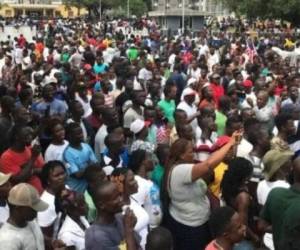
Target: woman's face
[57,177]
[148,163]
[80,205]
[58,132]
[188,155]
[131,186]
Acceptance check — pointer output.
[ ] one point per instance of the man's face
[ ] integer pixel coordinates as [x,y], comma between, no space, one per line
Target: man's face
[111,200]
[98,105]
[294,93]
[290,127]
[27,213]
[140,98]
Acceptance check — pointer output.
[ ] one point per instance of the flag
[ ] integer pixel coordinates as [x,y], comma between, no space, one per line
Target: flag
[251,50]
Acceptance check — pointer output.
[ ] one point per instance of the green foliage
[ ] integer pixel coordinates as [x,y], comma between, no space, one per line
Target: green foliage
[136,7]
[288,10]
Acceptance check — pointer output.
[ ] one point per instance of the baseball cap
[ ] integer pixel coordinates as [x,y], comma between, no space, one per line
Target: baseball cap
[4,178]
[87,66]
[138,125]
[26,195]
[273,161]
[248,83]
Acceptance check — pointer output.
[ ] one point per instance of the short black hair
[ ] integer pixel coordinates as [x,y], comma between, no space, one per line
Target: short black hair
[136,158]
[72,105]
[47,168]
[220,219]
[135,93]
[159,238]
[160,152]
[98,191]
[91,171]
[168,87]
[70,128]
[281,120]
[110,139]
[250,124]
[7,101]
[232,120]
[15,132]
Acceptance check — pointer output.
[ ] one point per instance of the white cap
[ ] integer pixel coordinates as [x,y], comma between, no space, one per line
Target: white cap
[138,125]
[191,81]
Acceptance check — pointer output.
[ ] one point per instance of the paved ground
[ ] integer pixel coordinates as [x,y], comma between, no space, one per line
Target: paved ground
[13,32]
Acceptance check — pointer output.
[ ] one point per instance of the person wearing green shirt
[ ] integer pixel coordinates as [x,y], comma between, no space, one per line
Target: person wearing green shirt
[281,211]
[65,56]
[93,175]
[163,151]
[221,115]
[220,122]
[132,53]
[167,105]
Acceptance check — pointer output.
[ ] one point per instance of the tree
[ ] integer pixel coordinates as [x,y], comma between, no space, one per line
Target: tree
[288,10]
[93,5]
[136,7]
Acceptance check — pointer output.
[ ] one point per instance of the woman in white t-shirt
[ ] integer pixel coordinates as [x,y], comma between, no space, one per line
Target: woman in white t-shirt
[55,150]
[127,185]
[185,201]
[53,178]
[74,225]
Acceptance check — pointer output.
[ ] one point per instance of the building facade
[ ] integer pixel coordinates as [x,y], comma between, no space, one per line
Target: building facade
[46,8]
[185,14]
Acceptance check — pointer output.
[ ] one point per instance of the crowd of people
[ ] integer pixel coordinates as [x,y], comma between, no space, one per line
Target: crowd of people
[119,141]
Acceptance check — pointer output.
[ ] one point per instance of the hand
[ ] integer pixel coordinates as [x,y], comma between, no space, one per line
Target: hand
[250,101]
[129,220]
[35,151]
[58,245]
[236,137]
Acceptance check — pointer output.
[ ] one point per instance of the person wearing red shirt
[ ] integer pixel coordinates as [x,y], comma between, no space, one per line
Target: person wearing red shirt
[21,160]
[22,41]
[217,89]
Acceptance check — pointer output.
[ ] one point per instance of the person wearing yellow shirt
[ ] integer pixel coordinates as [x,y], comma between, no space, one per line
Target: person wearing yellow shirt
[215,186]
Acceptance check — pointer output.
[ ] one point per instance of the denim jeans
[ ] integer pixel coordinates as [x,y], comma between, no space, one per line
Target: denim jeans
[244,245]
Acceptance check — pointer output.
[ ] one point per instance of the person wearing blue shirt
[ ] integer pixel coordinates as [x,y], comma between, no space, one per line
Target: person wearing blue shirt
[50,106]
[77,157]
[100,67]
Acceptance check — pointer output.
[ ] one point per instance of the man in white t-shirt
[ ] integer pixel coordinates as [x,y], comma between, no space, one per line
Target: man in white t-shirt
[21,231]
[187,105]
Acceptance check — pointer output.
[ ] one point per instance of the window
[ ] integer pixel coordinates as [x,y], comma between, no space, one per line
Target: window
[8,13]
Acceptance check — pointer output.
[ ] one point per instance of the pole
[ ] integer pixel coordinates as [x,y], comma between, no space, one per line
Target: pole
[128,9]
[183,16]
[100,10]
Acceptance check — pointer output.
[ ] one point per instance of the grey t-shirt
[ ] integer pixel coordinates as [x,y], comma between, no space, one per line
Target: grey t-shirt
[106,237]
[26,238]
[189,203]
